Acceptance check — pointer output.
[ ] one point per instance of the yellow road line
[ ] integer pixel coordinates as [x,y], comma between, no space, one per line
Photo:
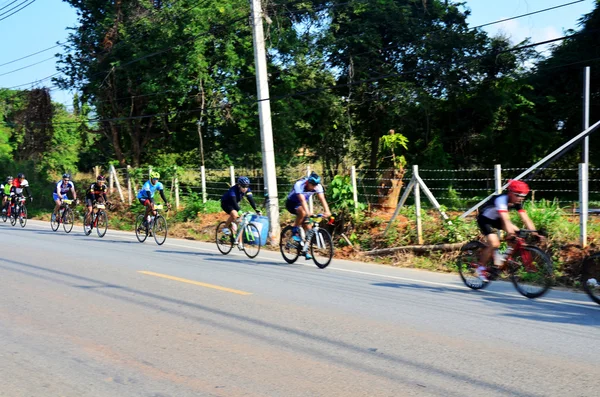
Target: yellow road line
[183,280]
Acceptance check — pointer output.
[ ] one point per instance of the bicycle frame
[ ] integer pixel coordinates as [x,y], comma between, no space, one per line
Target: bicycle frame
[314,222]
[245,220]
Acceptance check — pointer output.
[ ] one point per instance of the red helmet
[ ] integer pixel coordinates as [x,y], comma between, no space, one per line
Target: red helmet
[518,187]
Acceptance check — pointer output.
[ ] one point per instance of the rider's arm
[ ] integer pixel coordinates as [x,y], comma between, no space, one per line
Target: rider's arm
[74,192]
[251,201]
[324,204]
[162,195]
[58,190]
[526,220]
[303,203]
[507,225]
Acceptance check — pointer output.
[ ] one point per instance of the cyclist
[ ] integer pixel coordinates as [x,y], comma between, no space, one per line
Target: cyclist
[63,187]
[146,195]
[495,216]
[96,191]
[297,204]
[5,192]
[230,202]
[20,184]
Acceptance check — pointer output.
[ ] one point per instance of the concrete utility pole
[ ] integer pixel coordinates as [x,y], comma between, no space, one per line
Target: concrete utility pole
[585,163]
[264,112]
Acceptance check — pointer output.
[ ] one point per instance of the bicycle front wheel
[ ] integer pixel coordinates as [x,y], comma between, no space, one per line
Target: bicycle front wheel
[68,220]
[251,241]
[224,240]
[159,230]
[101,223]
[23,216]
[321,248]
[54,221]
[531,272]
[88,224]
[141,231]
[590,277]
[290,249]
[467,264]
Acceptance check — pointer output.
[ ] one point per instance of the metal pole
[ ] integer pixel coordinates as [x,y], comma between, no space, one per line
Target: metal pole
[203,177]
[176,190]
[418,205]
[583,206]
[586,116]
[264,112]
[498,178]
[231,175]
[354,188]
[310,199]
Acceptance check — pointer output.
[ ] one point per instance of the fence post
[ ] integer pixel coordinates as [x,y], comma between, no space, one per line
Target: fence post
[176,189]
[116,179]
[310,199]
[96,171]
[203,176]
[129,184]
[111,181]
[231,175]
[417,193]
[354,188]
[583,203]
[498,178]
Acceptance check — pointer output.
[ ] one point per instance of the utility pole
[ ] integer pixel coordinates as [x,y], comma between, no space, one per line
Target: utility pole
[585,163]
[264,114]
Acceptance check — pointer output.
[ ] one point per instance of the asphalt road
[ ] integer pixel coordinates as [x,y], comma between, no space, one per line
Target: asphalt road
[84,316]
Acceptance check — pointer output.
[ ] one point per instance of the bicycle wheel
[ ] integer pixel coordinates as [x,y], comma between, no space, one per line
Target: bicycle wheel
[87,224]
[467,264]
[531,271]
[4,217]
[13,216]
[290,249]
[141,231]
[224,240]
[101,223]
[251,239]
[159,229]
[68,220]
[590,277]
[23,216]
[54,221]
[321,248]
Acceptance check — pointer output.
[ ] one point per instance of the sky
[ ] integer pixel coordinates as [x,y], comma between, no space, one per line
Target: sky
[43,23]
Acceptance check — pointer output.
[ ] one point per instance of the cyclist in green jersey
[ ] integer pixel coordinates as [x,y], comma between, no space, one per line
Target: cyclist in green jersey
[5,192]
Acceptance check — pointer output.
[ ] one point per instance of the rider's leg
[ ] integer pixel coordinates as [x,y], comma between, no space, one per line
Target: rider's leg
[231,221]
[493,243]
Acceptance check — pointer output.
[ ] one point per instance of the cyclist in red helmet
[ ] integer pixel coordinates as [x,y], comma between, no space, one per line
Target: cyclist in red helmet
[494,215]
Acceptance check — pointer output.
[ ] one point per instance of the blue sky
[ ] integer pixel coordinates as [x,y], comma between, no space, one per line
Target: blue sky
[45,22]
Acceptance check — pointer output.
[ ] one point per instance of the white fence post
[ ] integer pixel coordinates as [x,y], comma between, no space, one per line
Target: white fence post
[203,176]
[231,175]
[176,190]
[583,206]
[111,181]
[129,194]
[417,192]
[498,178]
[354,188]
[310,199]
[114,173]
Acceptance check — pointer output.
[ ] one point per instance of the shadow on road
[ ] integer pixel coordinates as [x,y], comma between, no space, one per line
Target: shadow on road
[421,287]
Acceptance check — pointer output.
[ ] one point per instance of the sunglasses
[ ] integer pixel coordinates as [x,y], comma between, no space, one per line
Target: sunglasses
[520,195]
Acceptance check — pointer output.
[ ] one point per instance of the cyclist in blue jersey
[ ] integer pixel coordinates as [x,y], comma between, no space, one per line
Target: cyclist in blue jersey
[146,195]
[230,201]
[61,189]
[297,204]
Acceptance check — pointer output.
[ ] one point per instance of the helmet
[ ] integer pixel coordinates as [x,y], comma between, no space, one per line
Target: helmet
[314,178]
[67,176]
[20,175]
[518,187]
[100,178]
[9,178]
[154,175]
[243,181]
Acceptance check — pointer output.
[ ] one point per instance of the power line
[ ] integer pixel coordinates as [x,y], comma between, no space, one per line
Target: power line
[7,5]
[30,55]
[28,66]
[528,14]
[25,6]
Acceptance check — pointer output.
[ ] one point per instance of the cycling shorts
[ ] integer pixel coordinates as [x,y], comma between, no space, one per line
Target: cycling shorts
[292,205]
[145,200]
[55,197]
[486,225]
[227,207]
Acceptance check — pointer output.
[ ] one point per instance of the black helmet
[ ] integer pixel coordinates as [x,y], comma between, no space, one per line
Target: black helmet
[20,175]
[100,178]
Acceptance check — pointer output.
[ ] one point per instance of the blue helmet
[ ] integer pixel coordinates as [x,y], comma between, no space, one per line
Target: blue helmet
[314,178]
[243,181]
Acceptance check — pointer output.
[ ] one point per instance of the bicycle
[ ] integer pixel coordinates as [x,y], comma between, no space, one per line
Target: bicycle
[64,215]
[18,211]
[590,276]
[319,240]
[529,268]
[247,238]
[96,219]
[157,226]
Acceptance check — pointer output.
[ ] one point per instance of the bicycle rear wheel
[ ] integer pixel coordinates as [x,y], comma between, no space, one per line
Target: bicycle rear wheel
[159,230]
[224,240]
[467,264]
[88,224]
[321,248]
[531,271]
[590,277]
[13,216]
[23,216]
[251,239]
[141,231]
[54,221]
[290,249]
[68,220]
[101,223]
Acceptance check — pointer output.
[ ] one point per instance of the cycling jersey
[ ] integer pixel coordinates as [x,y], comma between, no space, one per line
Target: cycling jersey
[499,204]
[5,189]
[20,185]
[231,199]
[96,189]
[300,188]
[64,187]
[149,189]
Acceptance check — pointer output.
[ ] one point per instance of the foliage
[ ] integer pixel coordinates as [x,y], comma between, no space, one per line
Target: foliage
[340,195]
